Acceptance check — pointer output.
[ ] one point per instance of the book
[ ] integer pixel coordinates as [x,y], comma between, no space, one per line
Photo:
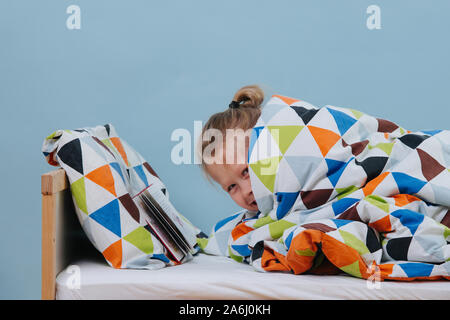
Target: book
[166,224]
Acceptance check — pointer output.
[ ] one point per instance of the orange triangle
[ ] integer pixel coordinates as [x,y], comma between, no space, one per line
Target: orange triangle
[325,139]
[382,225]
[288,100]
[386,269]
[116,142]
[403,199]
[103,177]
[240,230]
[372,184]
[114,254]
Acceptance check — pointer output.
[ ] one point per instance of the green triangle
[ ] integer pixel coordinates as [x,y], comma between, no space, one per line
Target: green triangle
[354,242]
[202,242]
[284,135]
[343,192]
[262,221]
[378,202]
[277,228]
[356,113]
[307,252]
[52,135]
[141,239]
[79,193]
[234,257]
[108,143]
[386,147]
[446,232]
[352,269]
[266,171]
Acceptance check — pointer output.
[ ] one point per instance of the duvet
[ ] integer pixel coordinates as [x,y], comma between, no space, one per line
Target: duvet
[342,191]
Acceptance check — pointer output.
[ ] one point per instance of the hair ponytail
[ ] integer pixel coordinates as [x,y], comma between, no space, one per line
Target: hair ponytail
[249,96]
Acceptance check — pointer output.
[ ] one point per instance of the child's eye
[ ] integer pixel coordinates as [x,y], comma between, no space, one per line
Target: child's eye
[245,172]
[230,187]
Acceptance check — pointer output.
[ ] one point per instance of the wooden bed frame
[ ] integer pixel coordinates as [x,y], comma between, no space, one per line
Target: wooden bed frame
[63,240]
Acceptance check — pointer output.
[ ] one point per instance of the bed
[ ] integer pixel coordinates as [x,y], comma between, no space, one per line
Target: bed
[73,269]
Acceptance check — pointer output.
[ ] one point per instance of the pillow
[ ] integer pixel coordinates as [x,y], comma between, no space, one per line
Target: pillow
[105,173]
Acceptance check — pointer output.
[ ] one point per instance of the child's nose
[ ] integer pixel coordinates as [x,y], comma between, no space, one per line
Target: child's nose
[247,189]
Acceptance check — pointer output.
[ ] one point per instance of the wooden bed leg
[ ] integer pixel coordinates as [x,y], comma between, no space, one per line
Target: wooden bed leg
[48,247]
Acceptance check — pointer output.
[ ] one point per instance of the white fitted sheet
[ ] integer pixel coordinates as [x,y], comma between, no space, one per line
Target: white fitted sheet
[213,277]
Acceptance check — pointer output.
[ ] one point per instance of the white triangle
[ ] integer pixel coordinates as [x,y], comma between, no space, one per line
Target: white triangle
[96,196]
[442,179]
[103,238]
[130,252]
[265,147]
[127,222]
[304,145]
[411,165]
[72,174]
[324,119]
[285,117]
[286,180]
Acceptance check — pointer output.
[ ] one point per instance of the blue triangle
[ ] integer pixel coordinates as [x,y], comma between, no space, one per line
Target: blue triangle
[341,222]
[285,201]
[109,217]
[343,121]
[116,166]
[335,169]
[242,249]
[288,240]
[407,184]
[431,132]
[409,218]
[253,137]
[161,257]
[140,171]
[221,223]
[417,269]
[343,204]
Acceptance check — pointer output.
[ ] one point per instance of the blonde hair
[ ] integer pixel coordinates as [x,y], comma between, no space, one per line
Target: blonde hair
[243,117]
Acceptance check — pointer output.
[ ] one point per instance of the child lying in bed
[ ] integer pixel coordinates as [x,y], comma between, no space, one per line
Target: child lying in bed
[328,187]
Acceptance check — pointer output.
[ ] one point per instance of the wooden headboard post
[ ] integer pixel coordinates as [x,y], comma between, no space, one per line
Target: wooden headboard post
[63,239]
[54,189]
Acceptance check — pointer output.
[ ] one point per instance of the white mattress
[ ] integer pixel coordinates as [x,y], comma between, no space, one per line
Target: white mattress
[212,277]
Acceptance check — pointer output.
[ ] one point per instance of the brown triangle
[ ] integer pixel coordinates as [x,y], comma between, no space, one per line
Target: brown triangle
[130,206]
[446,220]
[386,126]
[358,147]
[318,226]
[150,169]
[350,214]
[430,167]
[315,198]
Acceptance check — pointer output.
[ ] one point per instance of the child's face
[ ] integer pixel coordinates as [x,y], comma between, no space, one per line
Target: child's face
[235,180]
[234,177]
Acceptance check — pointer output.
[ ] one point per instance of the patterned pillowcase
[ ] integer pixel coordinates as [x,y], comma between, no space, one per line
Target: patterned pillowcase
[105,173]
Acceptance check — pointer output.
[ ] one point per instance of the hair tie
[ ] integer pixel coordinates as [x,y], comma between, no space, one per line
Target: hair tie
[234,104]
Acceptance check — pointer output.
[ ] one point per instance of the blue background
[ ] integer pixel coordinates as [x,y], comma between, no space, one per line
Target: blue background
[150,67]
